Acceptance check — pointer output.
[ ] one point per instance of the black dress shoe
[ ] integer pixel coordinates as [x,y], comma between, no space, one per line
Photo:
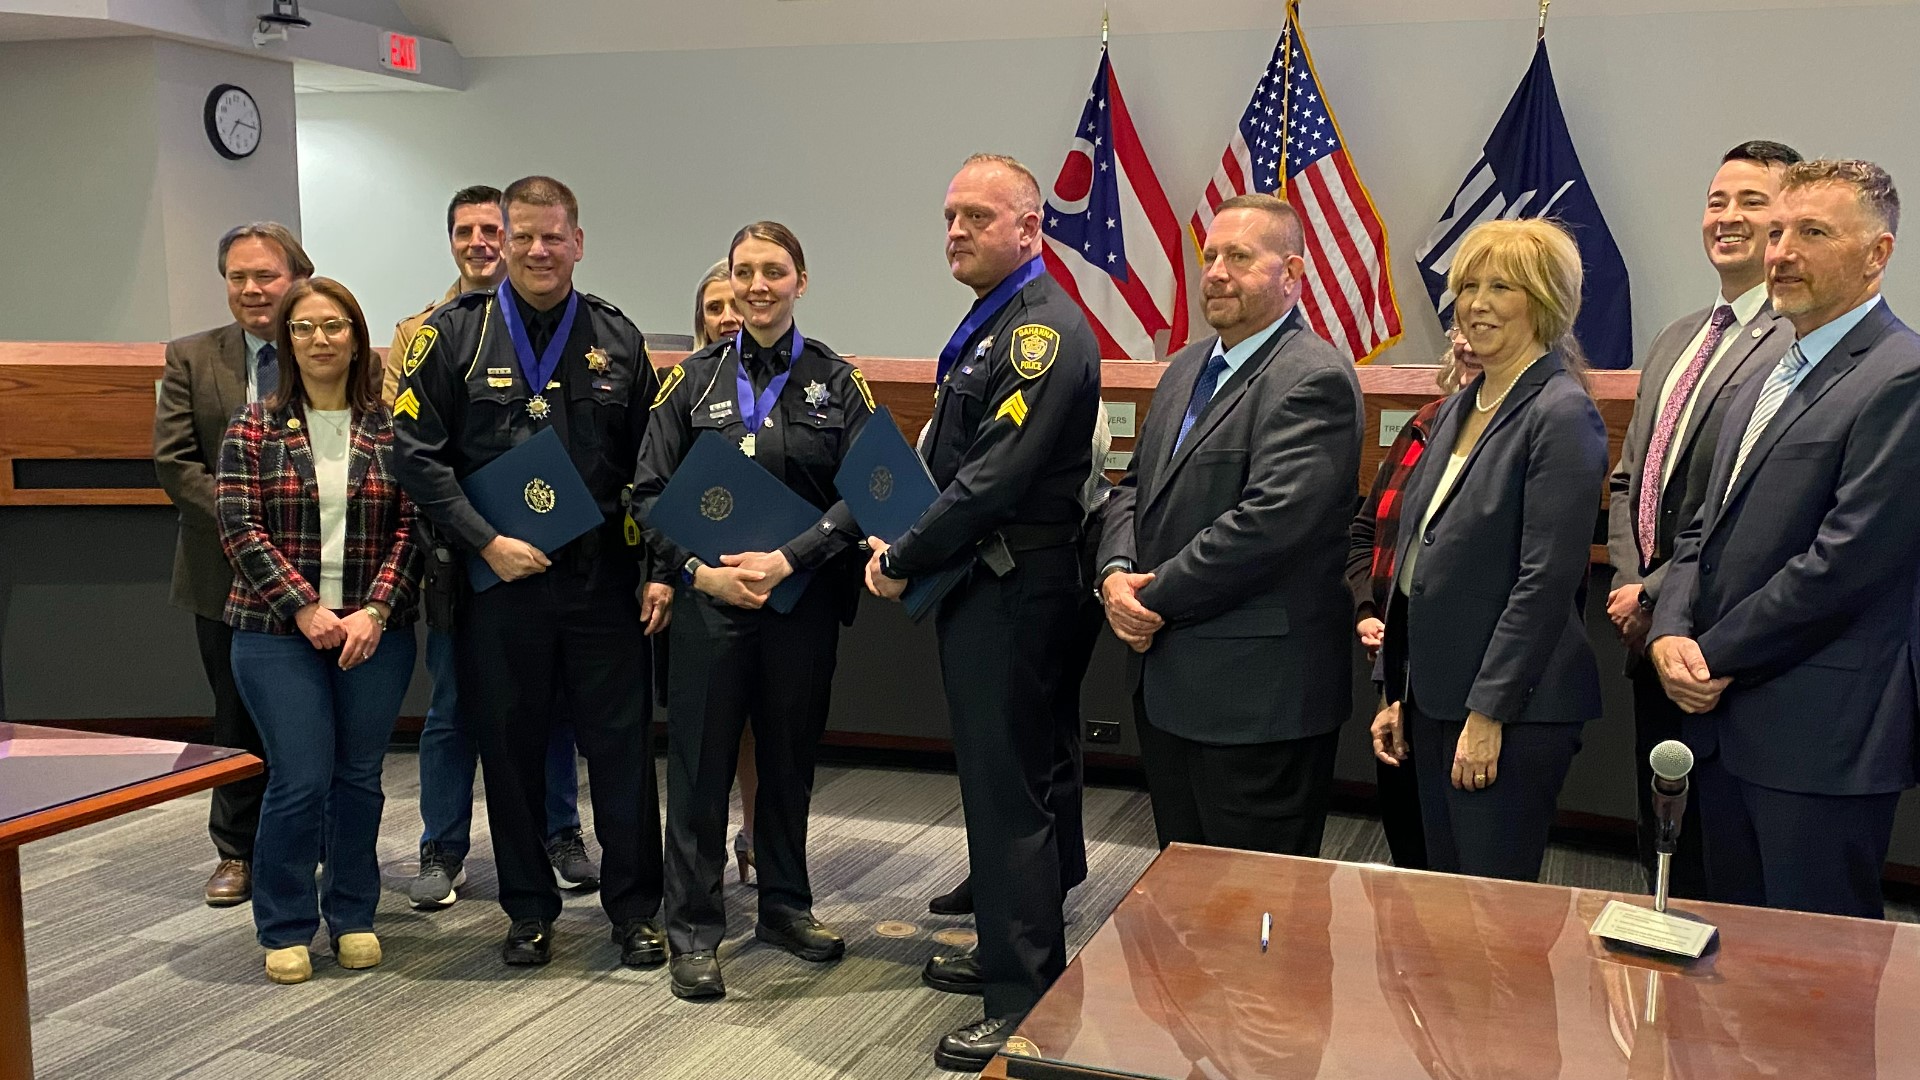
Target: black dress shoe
[529,943]
[641,943]
[972,1047]
[954,973]
[696,975]
[958,901]
[804,936]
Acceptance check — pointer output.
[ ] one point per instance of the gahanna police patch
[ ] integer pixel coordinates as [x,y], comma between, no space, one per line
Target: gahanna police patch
[667,384]
[1033,350]
[418,348]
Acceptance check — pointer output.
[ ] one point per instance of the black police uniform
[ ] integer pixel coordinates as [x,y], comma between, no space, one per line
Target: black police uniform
[572,633]
[1009,448]
[733,664]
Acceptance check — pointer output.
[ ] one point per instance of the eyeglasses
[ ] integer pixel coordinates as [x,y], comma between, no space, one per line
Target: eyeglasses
[302,329]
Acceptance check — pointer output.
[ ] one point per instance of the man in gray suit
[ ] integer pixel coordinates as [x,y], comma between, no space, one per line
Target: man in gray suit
[1695,367]
[1222,558]
[208,376]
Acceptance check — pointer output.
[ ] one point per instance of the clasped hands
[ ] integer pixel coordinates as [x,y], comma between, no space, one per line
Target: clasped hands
[1131,620]
[356,634]
[1684,674]
[1630,619]
[744,580]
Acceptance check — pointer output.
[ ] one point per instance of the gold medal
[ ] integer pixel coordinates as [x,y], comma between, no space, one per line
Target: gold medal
[537,407]
[746,444]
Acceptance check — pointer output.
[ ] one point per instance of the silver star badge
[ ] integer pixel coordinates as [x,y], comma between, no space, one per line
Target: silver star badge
[817,394]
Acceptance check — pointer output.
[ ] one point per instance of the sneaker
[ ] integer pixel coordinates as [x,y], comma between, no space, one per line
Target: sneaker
[433,887]
[567,851]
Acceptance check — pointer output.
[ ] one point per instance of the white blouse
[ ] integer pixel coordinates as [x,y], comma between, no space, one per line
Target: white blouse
[330,434]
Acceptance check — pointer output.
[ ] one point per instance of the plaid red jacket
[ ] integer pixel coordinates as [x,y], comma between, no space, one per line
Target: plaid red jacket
[1372,538]
[269,509]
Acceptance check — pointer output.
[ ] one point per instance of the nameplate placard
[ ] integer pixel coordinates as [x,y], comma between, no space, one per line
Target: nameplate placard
[1121,416]
[1652,929]
[1118,460]
[1391,421]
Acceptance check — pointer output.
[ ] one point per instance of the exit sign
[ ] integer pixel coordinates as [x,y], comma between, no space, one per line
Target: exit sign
[401,52]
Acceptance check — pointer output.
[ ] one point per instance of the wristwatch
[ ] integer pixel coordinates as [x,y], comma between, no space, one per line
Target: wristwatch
[1646,599]
[689,568]
[887,569]
[379,619]
[1113,566]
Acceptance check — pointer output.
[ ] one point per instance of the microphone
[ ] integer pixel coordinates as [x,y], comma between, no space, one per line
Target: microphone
[1671,761]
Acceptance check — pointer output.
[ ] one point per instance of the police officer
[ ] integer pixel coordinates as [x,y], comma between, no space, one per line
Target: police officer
[487,372]
[794,407]
[1019,391]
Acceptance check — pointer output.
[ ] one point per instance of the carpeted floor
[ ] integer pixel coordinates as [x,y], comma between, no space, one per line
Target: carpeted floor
[132,977]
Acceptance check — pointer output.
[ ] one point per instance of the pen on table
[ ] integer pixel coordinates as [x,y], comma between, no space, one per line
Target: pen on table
[1266,929]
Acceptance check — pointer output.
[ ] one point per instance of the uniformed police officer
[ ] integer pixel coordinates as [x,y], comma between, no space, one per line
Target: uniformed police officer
[1019,388]
[795,407]
[486,373]
[476,233]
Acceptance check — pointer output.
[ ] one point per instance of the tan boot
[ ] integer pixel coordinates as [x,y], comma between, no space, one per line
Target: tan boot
[289,965]
[356,951]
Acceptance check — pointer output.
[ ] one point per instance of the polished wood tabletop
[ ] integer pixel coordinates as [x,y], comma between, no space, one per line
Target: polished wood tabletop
[53,780]
[1376,972]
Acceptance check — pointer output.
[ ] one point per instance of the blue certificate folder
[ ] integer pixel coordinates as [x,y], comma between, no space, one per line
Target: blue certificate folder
[888,489]
[722,502]
[533,493]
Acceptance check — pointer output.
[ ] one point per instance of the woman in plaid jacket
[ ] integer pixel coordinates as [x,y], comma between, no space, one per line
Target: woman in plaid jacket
[321,541]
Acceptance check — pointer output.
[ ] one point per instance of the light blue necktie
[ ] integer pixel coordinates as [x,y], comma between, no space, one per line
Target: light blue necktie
[1203,389]
[1785,376]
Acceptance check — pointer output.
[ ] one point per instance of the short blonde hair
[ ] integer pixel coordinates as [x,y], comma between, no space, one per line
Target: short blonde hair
[1541,258]
[716,272]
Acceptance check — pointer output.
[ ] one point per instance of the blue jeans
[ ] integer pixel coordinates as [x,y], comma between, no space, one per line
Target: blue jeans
[330,728]
[448,758]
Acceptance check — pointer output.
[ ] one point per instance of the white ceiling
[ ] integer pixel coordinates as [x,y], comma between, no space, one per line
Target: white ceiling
[18,27]
[549,27]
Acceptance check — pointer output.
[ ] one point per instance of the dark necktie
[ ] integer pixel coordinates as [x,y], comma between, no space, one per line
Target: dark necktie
[266,373]
[1668,425]
[1203,389]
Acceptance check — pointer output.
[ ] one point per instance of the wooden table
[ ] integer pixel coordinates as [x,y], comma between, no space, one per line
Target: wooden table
[52,781]
[1376,972]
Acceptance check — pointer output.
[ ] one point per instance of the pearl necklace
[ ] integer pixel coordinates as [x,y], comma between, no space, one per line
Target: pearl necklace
[1479,407]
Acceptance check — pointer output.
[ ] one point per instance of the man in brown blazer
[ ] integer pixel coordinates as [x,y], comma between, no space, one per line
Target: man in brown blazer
[208,376]
[1691,373]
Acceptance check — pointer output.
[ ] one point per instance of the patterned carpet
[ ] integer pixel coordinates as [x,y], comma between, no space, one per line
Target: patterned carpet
[133,978]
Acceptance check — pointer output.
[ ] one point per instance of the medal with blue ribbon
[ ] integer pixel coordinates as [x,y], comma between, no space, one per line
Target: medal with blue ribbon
[983,310]
[758,411]
[537,370]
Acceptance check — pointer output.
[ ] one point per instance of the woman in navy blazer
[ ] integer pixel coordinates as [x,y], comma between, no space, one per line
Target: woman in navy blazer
[1488,676]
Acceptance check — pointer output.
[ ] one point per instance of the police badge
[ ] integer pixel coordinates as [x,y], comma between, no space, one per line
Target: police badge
[817,394]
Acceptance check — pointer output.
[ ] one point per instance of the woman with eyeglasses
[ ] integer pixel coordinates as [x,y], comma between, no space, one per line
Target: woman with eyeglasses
[325,565]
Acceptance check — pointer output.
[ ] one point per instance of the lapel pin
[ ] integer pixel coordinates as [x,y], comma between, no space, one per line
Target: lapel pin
[1759,330]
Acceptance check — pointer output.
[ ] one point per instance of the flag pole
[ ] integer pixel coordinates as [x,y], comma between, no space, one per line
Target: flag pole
[1286,95]
[1544,5]
[1103,28]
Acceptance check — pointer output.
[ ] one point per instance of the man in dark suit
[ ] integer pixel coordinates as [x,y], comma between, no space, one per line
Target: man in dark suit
[1784,626]
[1696,366]
[209,375]
[1223,560]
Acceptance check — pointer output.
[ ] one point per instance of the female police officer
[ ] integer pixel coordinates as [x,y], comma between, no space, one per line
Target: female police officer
[795,407]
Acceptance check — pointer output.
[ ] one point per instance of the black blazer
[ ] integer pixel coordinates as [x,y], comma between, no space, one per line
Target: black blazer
[1493,620]
[1246,529]
[1802,585]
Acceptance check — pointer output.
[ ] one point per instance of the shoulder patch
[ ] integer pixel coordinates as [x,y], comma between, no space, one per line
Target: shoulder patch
[407,404]
[673,378]
[418,348]
[866,392]
[1033,349]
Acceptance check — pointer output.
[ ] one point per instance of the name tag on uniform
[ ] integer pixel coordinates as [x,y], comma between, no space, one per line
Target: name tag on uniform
[719,410]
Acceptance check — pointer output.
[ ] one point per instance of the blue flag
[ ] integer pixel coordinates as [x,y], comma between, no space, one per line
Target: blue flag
[1528,168]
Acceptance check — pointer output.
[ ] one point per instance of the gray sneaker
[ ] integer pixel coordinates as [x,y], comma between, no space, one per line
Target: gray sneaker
[567,851]
[433,888]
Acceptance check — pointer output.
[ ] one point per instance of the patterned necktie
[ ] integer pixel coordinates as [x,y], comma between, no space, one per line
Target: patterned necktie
[1664,429]
[266,377]
[1786,374]
[1203,389]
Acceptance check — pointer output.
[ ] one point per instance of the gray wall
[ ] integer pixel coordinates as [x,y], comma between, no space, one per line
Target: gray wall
[114,196]
[853,146]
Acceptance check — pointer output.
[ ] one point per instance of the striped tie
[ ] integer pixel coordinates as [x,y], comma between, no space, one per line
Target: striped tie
[1785,376]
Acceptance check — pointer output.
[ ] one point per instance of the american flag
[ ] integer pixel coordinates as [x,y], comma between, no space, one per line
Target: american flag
[1288,124]
[1112,240]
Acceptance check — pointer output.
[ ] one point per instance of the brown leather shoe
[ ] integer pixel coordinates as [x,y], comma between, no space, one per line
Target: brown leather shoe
[231,883]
